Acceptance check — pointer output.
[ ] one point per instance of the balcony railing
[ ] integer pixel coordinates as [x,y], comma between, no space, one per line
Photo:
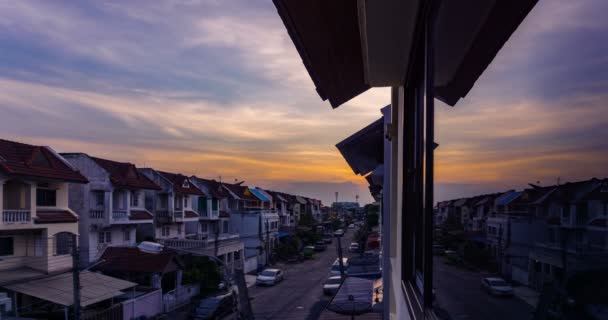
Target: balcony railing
[178,213]
[162,213]
[96,214]
[15,216]
[184,243]
[120,215]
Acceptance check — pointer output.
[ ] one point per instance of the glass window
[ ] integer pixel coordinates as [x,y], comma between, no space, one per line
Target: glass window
[214,204]
[99,197]
[185,201]
[134,199]
[127,235]
[46,197]
[225,226]
[63,243]
[105,237]
[6,246]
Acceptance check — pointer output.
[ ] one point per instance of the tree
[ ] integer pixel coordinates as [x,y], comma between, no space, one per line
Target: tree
[307,220]
[371,219]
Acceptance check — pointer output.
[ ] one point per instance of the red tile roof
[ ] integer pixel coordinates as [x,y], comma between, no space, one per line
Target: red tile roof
[599,222]
[54,216]
[214,187]
[190,214]
[35,161]
[240,191]
[224,214]
[140,215]
[124,174]
[178,182]
[131,259]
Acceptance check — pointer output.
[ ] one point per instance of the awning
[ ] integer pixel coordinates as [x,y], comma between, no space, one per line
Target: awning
[59,289]
[348,46]
[259,194]
[282,234]
[354,297]
[364,150]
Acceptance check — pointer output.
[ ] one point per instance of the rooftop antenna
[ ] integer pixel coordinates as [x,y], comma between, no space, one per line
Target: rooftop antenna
[357,199]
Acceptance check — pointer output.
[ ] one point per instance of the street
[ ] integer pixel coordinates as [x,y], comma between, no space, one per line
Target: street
[458,292]
[300,295]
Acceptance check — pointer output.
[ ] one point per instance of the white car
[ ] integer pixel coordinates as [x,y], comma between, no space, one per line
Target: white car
[496,286]
[354,247]
[269,277]
[332,285]
[339,233]
[351,226]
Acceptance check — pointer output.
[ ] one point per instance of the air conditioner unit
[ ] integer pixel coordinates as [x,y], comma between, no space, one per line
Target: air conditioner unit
[6,303]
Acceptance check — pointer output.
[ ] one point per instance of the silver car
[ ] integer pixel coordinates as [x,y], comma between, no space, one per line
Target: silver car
[269,277]
[332,285]
[496,287]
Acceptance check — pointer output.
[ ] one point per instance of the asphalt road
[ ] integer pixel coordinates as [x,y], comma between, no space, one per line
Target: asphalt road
[458,292]
[300,295]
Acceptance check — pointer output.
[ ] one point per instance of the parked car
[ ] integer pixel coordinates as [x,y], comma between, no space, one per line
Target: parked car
[339,233]
[214,307]
[328,238]
[269,277]
[335,267]
[308,251]
[496,286]
[351,226]
[354,247]
[438,249]
[332,285]
[320,246]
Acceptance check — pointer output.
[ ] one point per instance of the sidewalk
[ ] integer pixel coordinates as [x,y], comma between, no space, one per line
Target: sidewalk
[526,294]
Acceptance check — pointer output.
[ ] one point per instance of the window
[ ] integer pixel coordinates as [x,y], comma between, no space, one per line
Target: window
[63,243]
[186,201]
[134,198]
[204,227]
[99,198]
[179,229]
[46,197]
[177,202]
[214,204]
[225,226]
[6,246]
[164,231]
[105,237]
[127,235]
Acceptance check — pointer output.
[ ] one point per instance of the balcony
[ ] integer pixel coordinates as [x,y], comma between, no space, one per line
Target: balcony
[16,216]
[96,214]
[120,215]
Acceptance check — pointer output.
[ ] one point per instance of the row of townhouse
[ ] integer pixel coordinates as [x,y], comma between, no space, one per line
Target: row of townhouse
[51,200]
[541,233]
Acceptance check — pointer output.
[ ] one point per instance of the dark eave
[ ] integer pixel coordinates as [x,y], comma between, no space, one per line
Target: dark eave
[364,150]
[326,35]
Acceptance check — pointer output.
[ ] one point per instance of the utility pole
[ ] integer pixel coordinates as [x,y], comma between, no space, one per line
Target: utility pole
[76,277]
[244,303]
[267,243]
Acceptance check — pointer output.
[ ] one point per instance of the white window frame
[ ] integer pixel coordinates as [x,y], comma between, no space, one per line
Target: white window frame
[104,237]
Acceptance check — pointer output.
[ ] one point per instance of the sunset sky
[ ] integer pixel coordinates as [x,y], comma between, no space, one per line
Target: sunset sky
[217,88]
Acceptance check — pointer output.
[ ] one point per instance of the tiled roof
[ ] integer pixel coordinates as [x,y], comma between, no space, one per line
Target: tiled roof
[131,259]
[240,191]
[181,183]
[35,161]
[123,174]
[599,222]
[214,187]
[190,214]
[54,216]
[140,215]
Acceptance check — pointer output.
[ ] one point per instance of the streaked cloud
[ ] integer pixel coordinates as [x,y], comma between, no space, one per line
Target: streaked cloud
[216,88]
